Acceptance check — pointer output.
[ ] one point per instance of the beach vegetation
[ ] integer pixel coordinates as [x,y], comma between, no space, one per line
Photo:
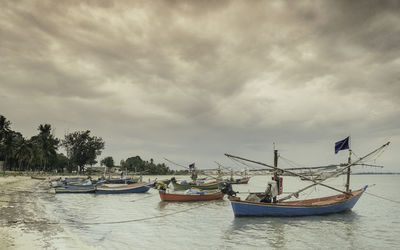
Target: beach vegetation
[82,149]
[40,153]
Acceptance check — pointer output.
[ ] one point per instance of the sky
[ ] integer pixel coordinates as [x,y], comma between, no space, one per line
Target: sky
[192,80]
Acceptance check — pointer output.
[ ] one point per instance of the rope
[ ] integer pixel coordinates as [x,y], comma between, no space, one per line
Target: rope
[383,198]
[105,223]
[290,162]
[146,197]
[16,201]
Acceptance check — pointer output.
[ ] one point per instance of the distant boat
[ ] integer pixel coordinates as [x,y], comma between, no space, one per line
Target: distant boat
[243,180]
[130,180]
[262,204]
[140,187]
[59,182]
[76,188]
[38,178]
[200,196]
[185,186]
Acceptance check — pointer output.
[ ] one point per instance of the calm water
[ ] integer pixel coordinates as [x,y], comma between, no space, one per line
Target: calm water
[136,221]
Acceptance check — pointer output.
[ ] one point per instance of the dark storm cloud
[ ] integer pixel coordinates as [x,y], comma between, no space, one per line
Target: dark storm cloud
[199,77]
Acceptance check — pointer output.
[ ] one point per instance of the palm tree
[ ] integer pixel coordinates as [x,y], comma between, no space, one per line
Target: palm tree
[4,131]
[25,155]
[12,141]
[47,145]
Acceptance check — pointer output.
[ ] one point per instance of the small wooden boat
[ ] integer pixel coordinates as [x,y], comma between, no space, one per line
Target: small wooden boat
[243,180]
[190,197]
[129,180]
[141,187]
[185,186]
[75,189]
[38,178]
[326,205]
[267,204]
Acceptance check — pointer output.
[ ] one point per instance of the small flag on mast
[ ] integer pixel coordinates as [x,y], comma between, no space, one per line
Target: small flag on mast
[341,145]
[191,166]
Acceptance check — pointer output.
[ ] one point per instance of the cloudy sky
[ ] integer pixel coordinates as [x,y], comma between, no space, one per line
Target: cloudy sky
[192,80]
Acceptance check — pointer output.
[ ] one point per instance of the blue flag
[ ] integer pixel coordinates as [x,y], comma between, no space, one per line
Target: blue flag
[341,145]
[191,166]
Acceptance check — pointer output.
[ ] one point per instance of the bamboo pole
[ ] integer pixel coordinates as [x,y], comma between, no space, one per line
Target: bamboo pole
[306,178]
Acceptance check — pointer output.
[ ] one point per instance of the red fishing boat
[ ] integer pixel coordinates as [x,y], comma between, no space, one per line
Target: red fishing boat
[200,196]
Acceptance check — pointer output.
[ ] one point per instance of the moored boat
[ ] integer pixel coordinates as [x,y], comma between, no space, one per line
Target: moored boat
[185,186]
[243,180]
[75,189]
[267,203]
[325,205]
[201,196]
[141,187]
[38,177]
[78,186]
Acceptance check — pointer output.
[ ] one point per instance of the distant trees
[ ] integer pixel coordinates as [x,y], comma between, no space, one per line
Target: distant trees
[138,165]
[46,146]
[21,154]
[39,153]
[82,148]
[108,162]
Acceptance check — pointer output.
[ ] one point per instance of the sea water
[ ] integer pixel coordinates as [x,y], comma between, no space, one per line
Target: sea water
[143,221]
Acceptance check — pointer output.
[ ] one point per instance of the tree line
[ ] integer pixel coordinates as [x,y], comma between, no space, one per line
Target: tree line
[40,152]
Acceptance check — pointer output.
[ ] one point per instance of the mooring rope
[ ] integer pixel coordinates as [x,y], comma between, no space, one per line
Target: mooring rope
[383,198]
[104,223]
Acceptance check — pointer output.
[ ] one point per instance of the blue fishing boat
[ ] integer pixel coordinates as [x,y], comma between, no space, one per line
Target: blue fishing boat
[268,204]
[326,205]
[81,185]
[141,187]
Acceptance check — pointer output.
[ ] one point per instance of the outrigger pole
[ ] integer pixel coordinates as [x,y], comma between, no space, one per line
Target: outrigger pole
[309,179]
[337,174]
[281,169]
[187,168]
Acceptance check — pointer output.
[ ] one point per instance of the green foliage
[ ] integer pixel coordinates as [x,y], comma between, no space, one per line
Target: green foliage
[82,148]
[20,154]
[46,146]
[137,165]
[39,153]
[108,162]
[60,163]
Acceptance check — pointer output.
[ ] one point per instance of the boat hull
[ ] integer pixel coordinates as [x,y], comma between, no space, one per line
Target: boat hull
[123,189]
[190,197]
[243,180]
[75,189]
[326,205]
[208,186]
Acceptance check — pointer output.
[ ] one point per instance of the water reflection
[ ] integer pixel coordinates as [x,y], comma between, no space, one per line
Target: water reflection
[279,232]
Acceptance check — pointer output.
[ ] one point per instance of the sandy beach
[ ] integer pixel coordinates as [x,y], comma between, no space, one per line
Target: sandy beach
[23,221]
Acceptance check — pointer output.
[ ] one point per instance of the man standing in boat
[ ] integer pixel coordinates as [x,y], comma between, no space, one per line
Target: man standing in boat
[274,188]
[272,191]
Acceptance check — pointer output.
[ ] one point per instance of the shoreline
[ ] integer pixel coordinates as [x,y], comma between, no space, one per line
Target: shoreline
[23,224]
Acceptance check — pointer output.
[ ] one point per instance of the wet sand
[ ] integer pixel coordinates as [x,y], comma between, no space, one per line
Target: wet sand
[24,223]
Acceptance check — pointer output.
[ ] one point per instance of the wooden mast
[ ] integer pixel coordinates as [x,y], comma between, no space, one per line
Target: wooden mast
[275,164]
[348,173]
[348,170]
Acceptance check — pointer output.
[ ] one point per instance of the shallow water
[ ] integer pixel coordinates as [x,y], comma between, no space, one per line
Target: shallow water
[136,221]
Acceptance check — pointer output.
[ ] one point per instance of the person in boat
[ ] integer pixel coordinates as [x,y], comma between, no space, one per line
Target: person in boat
[194,176]
[161,186]
[271,192]
[226,188]
[122,175]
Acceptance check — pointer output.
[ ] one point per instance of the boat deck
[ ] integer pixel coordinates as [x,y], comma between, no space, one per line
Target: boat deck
[324,201]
